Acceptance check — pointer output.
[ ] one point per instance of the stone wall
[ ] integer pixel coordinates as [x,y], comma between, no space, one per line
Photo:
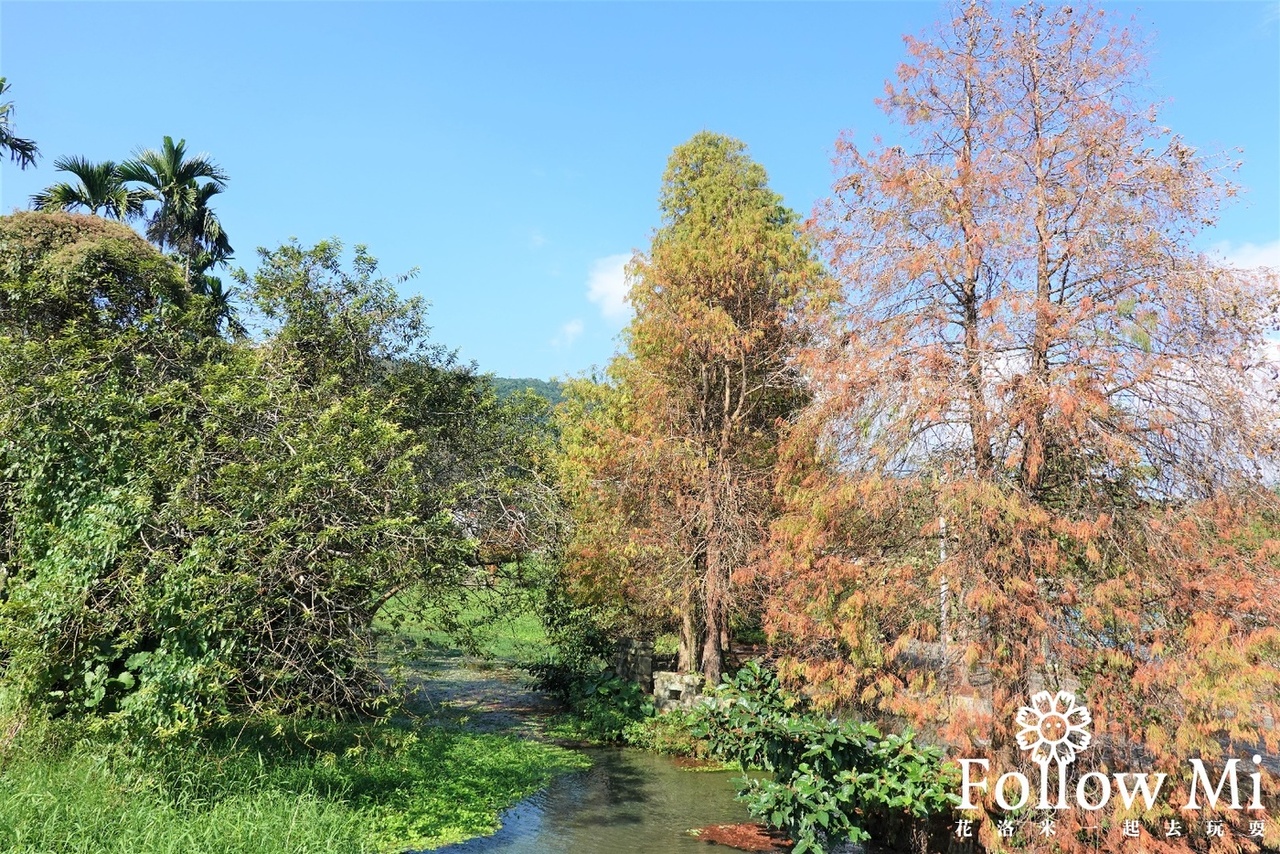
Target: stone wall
[676,690]
[634,662]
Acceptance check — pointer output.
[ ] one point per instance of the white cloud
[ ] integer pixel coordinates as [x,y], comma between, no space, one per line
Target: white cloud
[537,239]
[1248,255]
[567,335]
[607,286]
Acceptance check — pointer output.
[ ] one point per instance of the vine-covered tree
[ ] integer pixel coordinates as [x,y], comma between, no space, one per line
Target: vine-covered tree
[1031,348]
[191,526]
[672,470]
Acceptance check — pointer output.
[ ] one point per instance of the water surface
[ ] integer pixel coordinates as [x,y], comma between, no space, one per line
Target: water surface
[628,801]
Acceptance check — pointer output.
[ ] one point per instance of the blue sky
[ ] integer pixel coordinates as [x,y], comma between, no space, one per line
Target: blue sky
[513,152]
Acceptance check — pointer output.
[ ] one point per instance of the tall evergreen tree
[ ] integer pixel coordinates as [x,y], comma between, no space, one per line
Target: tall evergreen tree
[684,454]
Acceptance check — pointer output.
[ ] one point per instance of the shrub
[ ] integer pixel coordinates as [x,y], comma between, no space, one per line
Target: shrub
[577,632]
[831,780]
[606,705]
[670,733]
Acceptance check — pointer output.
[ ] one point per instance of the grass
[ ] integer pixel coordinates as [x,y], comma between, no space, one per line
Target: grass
[491,624]
[79,803]
[314,788]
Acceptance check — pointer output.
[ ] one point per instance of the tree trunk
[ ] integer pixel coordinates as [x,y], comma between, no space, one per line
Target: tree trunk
[714,588]
[970,302]
[688,656]
[712,653]
[979,428]
[1035,401]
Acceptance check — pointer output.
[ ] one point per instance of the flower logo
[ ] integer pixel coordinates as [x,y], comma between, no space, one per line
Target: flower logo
[1053,727]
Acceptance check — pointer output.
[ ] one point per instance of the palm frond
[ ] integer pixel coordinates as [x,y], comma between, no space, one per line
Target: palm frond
[100,188]
[22,151]
[62,197]
[43,200]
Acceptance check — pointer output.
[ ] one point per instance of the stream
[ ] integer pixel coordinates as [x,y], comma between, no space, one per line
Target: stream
[628,801]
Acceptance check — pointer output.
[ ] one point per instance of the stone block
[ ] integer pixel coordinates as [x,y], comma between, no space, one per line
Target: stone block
[676,690]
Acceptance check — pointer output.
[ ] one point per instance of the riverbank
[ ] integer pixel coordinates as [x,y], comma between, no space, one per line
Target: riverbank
[310,789]
[479,750]
[628,799]
[469,748]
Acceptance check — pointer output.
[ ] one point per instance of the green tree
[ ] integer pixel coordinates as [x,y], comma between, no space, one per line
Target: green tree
[336,319]
[182,187]
[99,189]
[191,526]
[483,462]
[21,151]
[682,459]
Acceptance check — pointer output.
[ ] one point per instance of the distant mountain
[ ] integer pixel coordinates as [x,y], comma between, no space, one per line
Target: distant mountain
[507,386]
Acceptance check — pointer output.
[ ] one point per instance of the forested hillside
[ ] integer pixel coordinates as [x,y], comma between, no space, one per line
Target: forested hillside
[550,390]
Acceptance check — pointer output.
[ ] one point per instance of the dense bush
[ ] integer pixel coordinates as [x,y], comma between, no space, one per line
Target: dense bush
[580,637]
[579,672]
[190,526]
[670,732]
[606,705]
[603,708]
[831,780]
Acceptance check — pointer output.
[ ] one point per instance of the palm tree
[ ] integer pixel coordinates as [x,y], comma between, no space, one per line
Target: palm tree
[21,151]
[100,188]
[196,231]
[182,186]
[224,316]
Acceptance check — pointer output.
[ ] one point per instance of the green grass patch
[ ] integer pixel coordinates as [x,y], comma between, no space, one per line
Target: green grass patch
[310,788]
[498,624]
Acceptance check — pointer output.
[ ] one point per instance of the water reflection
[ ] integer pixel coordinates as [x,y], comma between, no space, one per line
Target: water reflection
[628,801]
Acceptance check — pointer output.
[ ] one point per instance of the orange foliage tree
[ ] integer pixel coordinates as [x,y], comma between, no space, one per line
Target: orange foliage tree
[1030,349]
[670,465]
